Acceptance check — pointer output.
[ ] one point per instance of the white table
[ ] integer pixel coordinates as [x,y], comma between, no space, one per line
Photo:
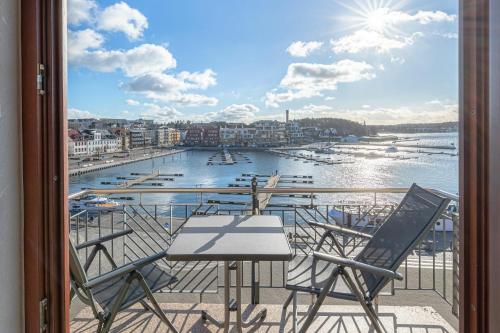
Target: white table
[231,239]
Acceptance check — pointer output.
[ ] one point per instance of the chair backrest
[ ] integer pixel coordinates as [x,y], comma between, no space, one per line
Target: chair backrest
[408,224]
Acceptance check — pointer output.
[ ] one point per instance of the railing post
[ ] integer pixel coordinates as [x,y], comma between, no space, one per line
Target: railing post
[255,211]
[255,200]
[456,280]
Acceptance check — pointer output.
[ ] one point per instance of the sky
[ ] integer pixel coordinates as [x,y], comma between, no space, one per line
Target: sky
[373,61]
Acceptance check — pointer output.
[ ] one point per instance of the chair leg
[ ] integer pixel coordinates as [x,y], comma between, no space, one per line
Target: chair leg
[99,327]
[117,304]
[288,300]
[372,314]
[159,312]
[319,301]
[294,307]
[367,306]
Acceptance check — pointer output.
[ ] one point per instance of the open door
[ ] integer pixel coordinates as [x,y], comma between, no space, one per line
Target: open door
[44,166]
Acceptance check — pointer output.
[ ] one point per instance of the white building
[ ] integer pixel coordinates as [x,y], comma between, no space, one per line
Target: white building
[270,132]
[239,135]
[294,132]
[94,143]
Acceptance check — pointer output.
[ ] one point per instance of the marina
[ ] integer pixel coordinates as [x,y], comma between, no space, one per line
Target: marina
[188,169]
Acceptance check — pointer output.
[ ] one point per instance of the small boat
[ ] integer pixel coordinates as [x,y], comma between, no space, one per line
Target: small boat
[94,203]
[391,149]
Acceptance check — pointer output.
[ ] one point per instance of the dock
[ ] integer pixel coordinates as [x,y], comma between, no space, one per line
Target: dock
[264,198]
[139,180]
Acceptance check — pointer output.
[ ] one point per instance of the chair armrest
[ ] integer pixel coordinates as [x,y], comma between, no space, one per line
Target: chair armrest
[103,239]
[358,265]
[124,270]
[336,228]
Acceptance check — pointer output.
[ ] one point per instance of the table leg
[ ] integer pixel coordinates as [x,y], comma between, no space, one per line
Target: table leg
[239,322]
[227,283]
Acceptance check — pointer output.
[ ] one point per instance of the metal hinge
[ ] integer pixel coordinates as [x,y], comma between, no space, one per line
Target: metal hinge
[40,79]
[43,314]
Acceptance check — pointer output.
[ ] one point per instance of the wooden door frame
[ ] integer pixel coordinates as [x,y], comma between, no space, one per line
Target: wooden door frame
[44,131]
[46,271]
[479,165]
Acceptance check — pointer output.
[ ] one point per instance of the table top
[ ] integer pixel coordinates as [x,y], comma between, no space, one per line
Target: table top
[228,238]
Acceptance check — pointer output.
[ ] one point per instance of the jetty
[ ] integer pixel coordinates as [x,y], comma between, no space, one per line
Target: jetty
[139,180]
[227,158]
[264,198]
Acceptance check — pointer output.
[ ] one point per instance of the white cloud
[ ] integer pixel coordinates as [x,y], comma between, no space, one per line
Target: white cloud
[119,17]
[274,99]
[159,113]
[305,80]
[171,88]
[303,49]
[145,63]
[448,35]
[189,99]
[140,60]
[320,77]
[132,102]
[330,98]
[74,113]
[237,113]
[198,80]
[382,30]
[80,11]
[82,40]
[426,17]
[383,19]
[312,111]
[362,40]
[395,115]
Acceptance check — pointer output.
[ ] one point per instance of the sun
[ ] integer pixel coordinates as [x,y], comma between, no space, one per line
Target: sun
[378,19]
[374,15]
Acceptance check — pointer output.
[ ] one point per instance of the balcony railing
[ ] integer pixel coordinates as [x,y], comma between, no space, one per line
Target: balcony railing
[156,222]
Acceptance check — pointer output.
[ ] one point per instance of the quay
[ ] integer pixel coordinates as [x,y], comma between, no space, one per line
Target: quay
[102,166]
[397,144]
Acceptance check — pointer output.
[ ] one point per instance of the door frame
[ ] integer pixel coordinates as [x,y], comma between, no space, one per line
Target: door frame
[44,133]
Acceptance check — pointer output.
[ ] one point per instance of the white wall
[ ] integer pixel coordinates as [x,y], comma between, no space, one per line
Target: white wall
[11,278]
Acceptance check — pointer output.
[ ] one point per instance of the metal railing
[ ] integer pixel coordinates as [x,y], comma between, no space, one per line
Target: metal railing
[432,266]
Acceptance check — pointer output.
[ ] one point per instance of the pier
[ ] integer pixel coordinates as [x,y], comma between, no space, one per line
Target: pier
[140,180]
[264,198]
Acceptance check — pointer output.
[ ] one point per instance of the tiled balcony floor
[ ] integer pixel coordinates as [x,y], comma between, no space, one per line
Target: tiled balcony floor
[332,318]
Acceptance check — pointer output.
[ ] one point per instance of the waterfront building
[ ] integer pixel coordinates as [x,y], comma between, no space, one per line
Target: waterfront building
[294,132]
[193,136]
[173,136]
[93,142]
[270,133]
[141,137]
[329,133]
[237,135]
[211,136]
[167,137]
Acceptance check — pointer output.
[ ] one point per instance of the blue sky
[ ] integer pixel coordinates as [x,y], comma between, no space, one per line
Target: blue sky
[367,60]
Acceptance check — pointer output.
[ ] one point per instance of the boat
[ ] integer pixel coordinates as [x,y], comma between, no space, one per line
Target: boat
[353,220]
[94,203]
[345,219]
[391,149]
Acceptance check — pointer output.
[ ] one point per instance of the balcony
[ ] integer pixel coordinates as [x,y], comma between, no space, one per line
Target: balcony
[425,301]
